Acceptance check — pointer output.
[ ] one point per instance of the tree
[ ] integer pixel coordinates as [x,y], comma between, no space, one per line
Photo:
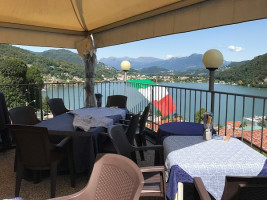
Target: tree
[199,115]
[19,82]
[264,124]
[13,72]
[243,124]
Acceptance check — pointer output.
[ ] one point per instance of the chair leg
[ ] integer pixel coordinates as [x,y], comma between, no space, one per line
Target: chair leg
[138,140]
[71,166]
[15,160]
[19,170]
[53,176]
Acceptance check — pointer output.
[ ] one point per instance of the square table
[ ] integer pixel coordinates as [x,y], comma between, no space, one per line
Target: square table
[191,156]
[84,143]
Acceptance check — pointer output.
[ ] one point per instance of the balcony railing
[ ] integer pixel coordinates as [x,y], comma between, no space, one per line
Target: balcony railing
[238,115]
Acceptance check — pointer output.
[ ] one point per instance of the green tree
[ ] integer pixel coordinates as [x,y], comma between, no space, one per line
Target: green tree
[13,72]
[46,108]
[243,124]
[199,115]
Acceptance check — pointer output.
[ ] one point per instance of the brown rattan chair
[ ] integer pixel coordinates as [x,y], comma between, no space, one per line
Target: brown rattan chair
[36,152]
[237,188]
[119,101]
[130,130]
[23,115]
[113,177]
[154,176]
[57,106]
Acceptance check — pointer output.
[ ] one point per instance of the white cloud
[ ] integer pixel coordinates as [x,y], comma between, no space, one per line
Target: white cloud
[169,56]
[235,48]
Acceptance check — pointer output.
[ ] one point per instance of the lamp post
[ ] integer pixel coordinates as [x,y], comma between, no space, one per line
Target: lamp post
[125,66]
[212,60]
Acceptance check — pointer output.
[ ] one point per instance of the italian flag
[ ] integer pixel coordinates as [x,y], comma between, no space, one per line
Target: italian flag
[162,100]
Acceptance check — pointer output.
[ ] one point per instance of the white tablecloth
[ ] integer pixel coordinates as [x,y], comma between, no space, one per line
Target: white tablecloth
[86,118]
[212,160]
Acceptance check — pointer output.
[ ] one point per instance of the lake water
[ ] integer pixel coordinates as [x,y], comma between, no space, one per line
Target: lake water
[74,98]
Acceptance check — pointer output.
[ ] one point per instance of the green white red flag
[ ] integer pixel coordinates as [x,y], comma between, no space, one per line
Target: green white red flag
[161,99]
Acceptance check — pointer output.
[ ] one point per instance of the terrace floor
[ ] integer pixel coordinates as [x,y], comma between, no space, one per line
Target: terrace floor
[40,191]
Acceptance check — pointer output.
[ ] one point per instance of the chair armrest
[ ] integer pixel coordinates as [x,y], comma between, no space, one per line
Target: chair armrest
[63,143]
[153,169]
[199,185]
[103,134]
[152,147]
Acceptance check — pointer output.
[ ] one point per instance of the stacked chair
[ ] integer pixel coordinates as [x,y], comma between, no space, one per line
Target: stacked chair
[154,176]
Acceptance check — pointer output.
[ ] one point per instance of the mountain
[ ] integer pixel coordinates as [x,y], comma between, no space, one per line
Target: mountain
[136,63]
[62,54]
[191,62]
[55,67]
[253,73]
[156,71]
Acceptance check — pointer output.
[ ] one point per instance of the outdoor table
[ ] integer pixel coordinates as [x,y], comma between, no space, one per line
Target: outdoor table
[191,156]
[180,129]
[84,143]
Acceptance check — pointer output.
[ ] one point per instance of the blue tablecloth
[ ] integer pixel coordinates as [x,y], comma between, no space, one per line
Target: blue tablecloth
[179,129]
[85,145]
[187,157]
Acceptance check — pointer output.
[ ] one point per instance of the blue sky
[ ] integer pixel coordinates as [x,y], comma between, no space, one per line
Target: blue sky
[237,42]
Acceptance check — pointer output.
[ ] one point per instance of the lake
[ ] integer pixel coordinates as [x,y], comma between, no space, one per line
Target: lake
[74,97]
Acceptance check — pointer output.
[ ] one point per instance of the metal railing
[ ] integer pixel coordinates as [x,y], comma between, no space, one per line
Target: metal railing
[232,112]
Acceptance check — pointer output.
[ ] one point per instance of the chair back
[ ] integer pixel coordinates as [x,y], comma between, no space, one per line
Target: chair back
[143,119]
[23,115]
[245,188]
[33,145]
[117,100]
[120,141]
[57,106]
[132,127]
[113,177]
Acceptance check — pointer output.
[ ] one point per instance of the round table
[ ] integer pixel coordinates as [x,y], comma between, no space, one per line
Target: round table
[179,129]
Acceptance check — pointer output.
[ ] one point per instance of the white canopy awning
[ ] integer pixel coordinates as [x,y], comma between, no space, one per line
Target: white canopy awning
[65,23]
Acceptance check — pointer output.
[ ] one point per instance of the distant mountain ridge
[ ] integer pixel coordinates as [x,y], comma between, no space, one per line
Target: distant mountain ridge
[191,62]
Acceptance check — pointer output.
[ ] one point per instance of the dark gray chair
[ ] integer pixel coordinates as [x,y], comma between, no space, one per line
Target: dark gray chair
[154,176]
[57,106]
[23,115]
[119,101]
[129,130]
[237,188]
[36,152]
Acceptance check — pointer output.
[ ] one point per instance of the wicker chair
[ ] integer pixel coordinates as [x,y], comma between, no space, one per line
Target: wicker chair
[36,152]
[57,106]
[237,188]
[154,176]
[117,100]
[113,177]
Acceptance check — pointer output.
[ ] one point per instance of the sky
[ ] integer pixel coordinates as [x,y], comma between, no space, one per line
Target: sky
[236,42]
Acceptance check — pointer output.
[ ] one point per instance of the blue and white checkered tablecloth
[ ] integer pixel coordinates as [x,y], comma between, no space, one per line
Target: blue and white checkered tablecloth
[191,156]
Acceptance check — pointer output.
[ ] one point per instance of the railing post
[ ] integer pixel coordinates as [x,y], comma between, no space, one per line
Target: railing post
[152,98]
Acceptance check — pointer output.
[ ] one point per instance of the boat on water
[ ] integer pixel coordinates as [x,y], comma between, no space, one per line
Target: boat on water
[256,118]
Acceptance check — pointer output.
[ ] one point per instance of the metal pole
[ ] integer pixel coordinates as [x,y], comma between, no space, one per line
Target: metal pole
[211,88]
[125,78]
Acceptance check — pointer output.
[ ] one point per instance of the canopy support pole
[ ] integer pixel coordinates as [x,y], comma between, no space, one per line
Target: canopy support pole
[87,51]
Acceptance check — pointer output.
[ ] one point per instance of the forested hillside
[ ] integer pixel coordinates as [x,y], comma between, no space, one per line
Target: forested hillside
[54,66]
[253,73]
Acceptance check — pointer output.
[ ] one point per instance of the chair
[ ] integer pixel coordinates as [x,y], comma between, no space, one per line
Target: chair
[154,176]
[113,177]
[23,115]
[36,152]
[140,136]
[117,100]
[237,188]
[129,130]
[57,106]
